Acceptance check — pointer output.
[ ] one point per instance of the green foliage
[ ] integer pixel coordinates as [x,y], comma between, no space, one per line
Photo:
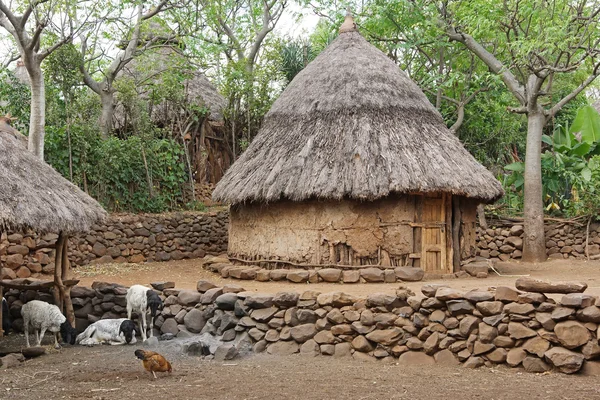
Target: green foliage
[570,167]
[113,170]
[15,99]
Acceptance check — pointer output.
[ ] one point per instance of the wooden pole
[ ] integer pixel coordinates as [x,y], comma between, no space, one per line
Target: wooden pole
[58,270]
[1,297]
[66,269]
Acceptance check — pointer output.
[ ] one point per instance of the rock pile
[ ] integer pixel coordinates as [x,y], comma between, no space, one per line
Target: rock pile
[226,269]
[123,238]
[441,325]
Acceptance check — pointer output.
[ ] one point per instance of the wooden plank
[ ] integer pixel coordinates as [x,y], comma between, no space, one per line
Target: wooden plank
[414,255]
[456,225]
[417,231]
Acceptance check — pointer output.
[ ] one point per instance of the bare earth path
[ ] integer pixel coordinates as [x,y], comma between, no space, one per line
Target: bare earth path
[112,372]
[186,273]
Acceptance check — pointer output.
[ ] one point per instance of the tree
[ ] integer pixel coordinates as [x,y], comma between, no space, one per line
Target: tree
[530,45]
[37,34]
[104,86]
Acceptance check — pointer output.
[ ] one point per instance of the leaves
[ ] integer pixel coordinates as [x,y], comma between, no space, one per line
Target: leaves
[587,122]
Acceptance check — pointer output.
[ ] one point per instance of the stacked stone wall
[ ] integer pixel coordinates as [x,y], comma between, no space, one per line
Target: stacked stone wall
[439,325]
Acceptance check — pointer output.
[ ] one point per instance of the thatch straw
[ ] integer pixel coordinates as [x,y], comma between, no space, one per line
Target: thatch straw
[34,196]
[353,125]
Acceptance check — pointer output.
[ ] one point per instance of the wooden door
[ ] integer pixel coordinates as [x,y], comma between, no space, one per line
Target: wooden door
[433,235]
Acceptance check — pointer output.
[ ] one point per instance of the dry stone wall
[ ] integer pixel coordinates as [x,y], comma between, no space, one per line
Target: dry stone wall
[440,325]
[123,238]
[504,241]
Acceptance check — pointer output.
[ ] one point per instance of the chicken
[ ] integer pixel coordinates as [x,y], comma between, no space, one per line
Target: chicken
[153,362]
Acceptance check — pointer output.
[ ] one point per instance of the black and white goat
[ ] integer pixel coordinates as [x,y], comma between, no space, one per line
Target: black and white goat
[6,320]
[112,331]
[43,317]
[140,299]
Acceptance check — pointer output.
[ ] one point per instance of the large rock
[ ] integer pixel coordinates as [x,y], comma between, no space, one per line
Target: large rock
[302,333]
[372,274]
[386,337]
[506,294]
[537,346]
[477,296]
[589,314]
[264,314]
[208,297]
[360,343]
[415,358]
[226,301]
[380,299]
[203,286]
[517,330]
[310,348]
[515,356]
[497,356]
[258,300]
[431,289]
[445,294]
[572,334]
[518,308]
[336,299]
[169,326]
[330,274]
[297,276]
[539,286]
[194,320]
[534,364]
[286,299]
[283,348]
[458,307]
[578,300]
[226,352]
[565,360]
[446,358]
[409,274]
[488,308]
[467,324]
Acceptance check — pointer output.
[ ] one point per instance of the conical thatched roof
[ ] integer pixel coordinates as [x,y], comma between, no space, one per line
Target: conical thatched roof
[34,196]
[353,125]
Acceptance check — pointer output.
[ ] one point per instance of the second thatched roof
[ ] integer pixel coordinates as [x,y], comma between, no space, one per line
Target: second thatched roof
[353,125]
[34,196]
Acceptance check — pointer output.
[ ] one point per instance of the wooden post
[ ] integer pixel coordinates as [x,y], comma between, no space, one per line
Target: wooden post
[1,297]
[57,290]
[66,269]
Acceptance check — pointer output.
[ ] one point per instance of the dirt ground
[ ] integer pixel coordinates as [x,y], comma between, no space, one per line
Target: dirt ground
[112,372]
[186,273]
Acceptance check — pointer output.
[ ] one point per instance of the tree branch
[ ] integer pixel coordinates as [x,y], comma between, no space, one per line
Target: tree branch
[492,62]
[558,106]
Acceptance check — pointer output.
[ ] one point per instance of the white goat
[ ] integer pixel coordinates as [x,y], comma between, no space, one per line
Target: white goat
[112,331]
[42,316]
[140,299]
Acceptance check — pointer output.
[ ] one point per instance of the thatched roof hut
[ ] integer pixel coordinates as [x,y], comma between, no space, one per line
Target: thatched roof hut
[34,196]
[352,153]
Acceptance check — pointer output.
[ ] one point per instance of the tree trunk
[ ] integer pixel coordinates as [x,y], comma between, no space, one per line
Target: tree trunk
[534,244]
[108,110]
[37,117]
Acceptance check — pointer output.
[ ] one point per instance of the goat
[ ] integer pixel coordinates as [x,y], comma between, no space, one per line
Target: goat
[139,299]
[113,331]
[6,322]
[68,334]
[42,316]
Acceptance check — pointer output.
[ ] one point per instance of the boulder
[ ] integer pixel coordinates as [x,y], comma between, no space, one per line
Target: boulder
[517,330]
[286,299]
[283,348]
[565,360]
[415,358]
[386,337]
[445,294]
[540,286]
[330,274]
[536,346]
[194,321]
[302,333]
[506,294]
[372,274]
[360,343]
[409,274]
[310,348]
[488,308]
[572,334]
[515,356]
[534,364]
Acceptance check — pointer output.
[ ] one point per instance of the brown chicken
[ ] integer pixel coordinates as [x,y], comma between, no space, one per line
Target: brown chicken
[153,362]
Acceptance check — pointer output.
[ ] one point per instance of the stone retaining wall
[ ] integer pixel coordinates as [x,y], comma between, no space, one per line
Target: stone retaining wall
[123,238]
[504,241]
[440,325]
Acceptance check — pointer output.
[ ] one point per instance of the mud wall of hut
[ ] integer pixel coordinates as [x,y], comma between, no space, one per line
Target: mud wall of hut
[325,232]
[437,326]
[123,238]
